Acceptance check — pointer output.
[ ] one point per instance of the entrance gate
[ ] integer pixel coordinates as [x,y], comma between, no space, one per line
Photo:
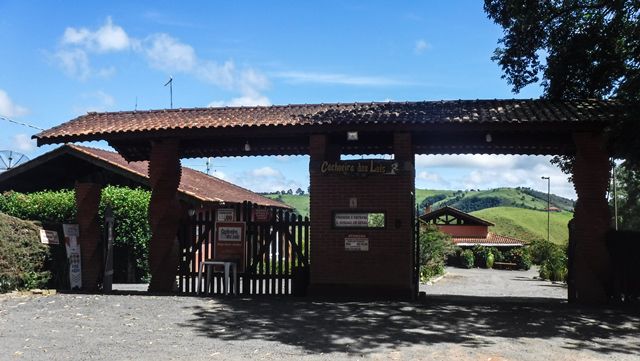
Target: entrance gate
[276,255]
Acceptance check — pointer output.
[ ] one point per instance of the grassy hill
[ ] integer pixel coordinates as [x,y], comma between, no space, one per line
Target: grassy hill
[527,224]
[474,200]
[300,203]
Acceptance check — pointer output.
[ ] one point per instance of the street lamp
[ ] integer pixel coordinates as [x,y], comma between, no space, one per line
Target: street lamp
[548,208]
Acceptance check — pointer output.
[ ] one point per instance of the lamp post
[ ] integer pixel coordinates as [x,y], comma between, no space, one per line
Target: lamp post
[548,208]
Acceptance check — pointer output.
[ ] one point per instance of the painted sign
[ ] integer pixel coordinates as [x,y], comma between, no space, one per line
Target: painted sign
[225,215]
[230,243]
[361,167]
[261,215]
[356,242]
[71,234]
[49,237]
[351,220]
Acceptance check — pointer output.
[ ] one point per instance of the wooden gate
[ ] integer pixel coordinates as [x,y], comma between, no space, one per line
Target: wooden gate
[276,252]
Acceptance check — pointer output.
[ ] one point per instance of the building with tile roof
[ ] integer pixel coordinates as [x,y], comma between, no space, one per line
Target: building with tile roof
[467,230]
[63,166]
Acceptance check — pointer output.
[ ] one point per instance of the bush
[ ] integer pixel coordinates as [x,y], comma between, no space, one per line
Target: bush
[130,208]
[435,247]
[520,256]
[542,250]
[554,268]
[467,260]
[490,260]
[22,256]
[482,253]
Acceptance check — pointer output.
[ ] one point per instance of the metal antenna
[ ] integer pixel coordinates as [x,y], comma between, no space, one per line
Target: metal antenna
[170,84]
[136,106]
[208,164]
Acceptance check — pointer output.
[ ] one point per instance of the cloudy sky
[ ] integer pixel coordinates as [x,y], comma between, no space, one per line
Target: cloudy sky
[59,61]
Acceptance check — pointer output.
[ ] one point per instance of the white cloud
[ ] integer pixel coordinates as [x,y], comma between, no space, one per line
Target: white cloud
[8,108]
[490,171]
[77,43]
[266,172]
[421,46]
[23,143]
[163,52]
[107,38]
[169,54]
[97,101]
[299,77]
[265,179]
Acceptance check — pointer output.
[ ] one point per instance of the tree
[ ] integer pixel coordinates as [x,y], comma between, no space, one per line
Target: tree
[628,198]
[299,191]
[577,49]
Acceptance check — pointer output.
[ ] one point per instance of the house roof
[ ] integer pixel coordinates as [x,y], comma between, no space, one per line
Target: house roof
[62,166]
[492,240]
[459,111]
[285,129]
[447,215]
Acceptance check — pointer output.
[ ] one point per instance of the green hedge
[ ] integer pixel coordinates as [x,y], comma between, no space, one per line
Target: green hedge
[22,256]
[130,207]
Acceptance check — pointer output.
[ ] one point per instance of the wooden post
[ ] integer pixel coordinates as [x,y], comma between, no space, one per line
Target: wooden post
[87,203]
[590,257]
[164,214]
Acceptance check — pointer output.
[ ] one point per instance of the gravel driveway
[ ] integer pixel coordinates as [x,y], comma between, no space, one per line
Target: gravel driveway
[137,327]
[496,283]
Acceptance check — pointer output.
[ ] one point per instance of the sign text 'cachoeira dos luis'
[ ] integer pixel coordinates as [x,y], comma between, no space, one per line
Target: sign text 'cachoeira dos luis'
[360,167]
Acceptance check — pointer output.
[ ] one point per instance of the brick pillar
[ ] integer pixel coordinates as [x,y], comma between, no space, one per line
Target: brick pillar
[164,214]
[590,259]
[406,185]
[87,202]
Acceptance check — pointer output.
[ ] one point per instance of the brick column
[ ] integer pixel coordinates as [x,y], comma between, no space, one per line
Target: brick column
[591,259]
[405,185]
[87,203]
[164,214]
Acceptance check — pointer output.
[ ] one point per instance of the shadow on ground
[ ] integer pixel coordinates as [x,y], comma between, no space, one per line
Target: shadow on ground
[363,327]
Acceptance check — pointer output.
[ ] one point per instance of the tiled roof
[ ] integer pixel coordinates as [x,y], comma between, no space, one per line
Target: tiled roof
[198,185]
[456,213]
[93,125]
[492,239]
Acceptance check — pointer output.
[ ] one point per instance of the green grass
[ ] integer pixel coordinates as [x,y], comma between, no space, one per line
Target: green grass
[424,193]
[527,224]
[300,203]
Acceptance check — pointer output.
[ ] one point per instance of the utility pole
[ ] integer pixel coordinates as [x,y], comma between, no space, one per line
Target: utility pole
[170,84]
[548,208]
[615,197]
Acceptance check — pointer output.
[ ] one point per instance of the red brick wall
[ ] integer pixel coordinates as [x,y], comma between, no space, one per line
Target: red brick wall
[87,202]
[592,219]
[464,231]
[165,213]
[386,269]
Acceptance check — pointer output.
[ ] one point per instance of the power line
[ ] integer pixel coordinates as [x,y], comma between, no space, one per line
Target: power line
[20,123]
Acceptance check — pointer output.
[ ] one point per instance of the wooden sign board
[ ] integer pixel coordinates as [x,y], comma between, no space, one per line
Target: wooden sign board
[230,243]
[351,220]
[261,215]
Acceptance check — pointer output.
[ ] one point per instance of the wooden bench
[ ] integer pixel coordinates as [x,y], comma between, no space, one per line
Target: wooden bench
[505,265]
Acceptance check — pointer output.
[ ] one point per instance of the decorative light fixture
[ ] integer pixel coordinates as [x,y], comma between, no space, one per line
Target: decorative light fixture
[352,136]
[191,212]
[247,146]
[488,138]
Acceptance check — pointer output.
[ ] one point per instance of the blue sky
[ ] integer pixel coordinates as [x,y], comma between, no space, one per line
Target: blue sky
[60,60]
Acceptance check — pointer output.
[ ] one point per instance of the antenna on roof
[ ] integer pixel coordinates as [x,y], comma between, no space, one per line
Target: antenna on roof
[10,159]
[170,84]
[136,106]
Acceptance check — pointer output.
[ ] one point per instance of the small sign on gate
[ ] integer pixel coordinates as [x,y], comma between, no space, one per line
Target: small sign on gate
[230,243]
[261,215]
[225,215]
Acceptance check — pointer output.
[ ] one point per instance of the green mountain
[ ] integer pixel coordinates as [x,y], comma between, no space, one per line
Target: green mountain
[475,200]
